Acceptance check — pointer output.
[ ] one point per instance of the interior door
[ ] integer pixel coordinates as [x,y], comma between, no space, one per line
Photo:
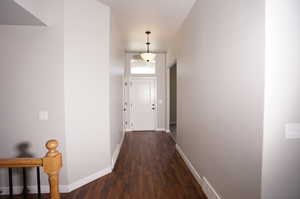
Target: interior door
[143,103]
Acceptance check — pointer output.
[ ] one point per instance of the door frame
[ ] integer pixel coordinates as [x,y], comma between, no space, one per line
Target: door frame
[173,135]
[155,100]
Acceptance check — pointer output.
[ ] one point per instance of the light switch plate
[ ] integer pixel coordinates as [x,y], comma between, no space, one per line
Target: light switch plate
[43,115]
[292,131]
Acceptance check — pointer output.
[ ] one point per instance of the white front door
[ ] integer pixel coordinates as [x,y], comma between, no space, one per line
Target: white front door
[142,94]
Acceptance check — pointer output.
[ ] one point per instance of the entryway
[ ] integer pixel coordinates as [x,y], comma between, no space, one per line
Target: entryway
[142,100]
[145,93]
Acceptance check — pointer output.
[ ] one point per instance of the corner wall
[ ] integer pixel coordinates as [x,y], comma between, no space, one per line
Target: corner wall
[86,84]
[63,69]
[117,68]
[221,94]
[281,176]
[31,80]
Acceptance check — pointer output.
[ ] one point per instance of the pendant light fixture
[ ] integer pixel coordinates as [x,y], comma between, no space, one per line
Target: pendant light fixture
[148,57]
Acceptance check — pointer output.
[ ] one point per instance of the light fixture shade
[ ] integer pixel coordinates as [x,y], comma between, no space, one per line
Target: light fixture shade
[148,56]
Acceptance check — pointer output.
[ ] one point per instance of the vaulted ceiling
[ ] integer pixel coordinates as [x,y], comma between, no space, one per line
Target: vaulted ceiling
[162,17]
[12,13]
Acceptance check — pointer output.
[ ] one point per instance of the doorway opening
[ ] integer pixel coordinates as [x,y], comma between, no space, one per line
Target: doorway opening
[144,93]
[173,101]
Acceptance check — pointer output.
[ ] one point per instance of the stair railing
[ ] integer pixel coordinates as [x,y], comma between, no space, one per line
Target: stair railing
[51,163]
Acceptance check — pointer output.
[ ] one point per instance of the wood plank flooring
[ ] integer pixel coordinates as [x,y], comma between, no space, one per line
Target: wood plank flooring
[148,167]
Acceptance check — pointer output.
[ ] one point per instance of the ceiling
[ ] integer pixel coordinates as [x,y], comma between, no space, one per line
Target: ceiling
[162,17]
[11,13]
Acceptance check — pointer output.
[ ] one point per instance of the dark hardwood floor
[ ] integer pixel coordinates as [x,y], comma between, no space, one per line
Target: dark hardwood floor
[148,167]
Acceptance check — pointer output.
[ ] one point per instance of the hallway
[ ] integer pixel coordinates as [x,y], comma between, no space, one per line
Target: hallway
[148,168]
[88,88]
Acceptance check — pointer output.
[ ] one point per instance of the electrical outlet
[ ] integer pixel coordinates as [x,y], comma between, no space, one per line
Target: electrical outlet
[292,131]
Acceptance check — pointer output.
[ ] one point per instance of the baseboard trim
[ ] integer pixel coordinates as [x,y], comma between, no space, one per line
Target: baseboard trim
[62,188]
[79,183]
[190,166]
[88,179]
[207,188]
[160,129]
[73,186]
[117,152]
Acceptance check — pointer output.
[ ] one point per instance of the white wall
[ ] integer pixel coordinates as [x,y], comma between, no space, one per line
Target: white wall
[86,73]
[65,69]
[117,68]
[221,93]
[281,176]
[31,80]
[161,90]
[172,53]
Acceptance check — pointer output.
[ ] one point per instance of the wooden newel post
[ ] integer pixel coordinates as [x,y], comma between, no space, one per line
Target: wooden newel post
[52,164]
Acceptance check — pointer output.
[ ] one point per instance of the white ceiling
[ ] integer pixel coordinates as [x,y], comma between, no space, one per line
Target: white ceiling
[12,13]
[162,17]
